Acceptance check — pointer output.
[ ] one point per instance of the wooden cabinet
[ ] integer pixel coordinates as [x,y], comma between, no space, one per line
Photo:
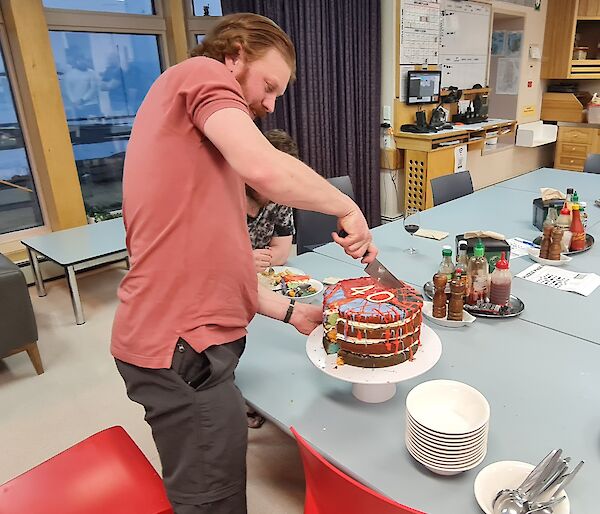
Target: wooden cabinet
[573,146]
[571,23]
[588,8]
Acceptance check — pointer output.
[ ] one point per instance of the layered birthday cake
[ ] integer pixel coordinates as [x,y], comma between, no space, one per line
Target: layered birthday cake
[370,326]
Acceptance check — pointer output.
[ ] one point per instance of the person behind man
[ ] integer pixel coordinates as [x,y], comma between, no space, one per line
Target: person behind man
[270,225]
[191,291]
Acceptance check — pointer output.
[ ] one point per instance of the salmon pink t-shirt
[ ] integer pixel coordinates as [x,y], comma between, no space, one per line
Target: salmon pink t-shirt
[192,273]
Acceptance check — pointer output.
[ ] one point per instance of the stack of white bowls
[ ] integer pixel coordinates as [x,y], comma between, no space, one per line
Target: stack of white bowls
[447,426]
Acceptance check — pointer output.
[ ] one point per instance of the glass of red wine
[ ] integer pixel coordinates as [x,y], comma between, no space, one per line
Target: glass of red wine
[412,222]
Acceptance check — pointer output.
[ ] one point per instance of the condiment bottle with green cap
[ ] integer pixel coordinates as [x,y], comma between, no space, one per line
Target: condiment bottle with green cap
[479,276]
[501,282]
[447,266]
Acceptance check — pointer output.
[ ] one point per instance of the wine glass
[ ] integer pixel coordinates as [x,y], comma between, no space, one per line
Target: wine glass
[412,222]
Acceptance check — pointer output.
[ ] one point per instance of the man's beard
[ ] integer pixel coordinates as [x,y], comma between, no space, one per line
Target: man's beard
[256,109]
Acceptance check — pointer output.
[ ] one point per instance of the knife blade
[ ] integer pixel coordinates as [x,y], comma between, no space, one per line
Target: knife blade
[382,275]
[378,272]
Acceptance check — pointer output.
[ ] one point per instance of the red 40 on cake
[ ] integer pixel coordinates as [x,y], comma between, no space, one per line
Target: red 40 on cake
[370,326]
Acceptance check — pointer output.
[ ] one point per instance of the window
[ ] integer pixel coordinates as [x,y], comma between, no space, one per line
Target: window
[118,6]
[19,205]
[199,38]
[207,8]
[103,79]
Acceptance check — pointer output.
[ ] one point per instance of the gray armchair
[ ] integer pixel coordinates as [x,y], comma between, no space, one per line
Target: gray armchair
[18,329]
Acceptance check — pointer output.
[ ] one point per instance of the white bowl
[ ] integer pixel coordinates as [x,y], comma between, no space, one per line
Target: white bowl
[441,462]
[464,438]
[445,322]
[507,474]
[440,449]
[309,297]
[534,253]
[448,407]
[442,470]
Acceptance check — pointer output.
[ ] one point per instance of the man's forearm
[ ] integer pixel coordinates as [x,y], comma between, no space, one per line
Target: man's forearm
[271,304]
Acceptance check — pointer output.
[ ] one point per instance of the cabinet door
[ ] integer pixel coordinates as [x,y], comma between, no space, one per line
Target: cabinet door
[559,36]
[588,8]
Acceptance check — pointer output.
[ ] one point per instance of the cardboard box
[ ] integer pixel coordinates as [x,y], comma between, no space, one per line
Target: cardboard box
[493,248]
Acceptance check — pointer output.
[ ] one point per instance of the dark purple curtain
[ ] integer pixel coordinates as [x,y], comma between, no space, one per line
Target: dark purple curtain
[333,108]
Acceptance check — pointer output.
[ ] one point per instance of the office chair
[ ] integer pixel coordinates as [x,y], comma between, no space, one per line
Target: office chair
[329,491]
[592,163]
[314,229]
[103,474]
[450,187]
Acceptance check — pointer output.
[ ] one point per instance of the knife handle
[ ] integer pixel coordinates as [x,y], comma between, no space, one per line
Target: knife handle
[342,233]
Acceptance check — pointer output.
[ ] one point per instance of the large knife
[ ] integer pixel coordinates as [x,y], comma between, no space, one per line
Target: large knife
[378,272]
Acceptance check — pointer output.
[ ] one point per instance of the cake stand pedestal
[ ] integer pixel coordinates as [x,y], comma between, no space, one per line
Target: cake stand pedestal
[375,385]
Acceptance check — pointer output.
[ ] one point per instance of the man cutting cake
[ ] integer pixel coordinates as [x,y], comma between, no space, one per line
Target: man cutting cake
[180,327]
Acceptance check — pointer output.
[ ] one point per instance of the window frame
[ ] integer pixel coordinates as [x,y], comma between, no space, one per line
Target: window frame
[10,241]
[197,25]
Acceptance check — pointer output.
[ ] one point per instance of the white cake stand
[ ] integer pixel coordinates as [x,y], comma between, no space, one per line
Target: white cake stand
[375,385]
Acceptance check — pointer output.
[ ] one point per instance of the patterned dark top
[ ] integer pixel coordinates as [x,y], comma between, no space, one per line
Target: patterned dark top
[272,220]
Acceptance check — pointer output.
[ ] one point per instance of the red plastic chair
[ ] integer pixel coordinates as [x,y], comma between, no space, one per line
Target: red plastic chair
[329,491]
[103,474]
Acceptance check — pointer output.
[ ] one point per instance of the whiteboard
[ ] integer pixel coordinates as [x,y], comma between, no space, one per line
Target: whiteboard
[464,42]
[454,35]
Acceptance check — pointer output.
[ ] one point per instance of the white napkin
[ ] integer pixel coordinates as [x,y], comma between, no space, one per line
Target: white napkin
[484,233]
[551,194]
[431,234]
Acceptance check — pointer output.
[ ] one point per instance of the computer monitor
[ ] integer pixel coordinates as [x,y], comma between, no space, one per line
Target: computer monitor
[423,87]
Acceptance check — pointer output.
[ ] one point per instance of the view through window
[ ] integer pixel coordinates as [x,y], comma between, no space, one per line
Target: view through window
[103,79]
[19,205]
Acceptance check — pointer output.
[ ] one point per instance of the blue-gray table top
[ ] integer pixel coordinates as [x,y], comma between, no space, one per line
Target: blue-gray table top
[542,386]
[80,244]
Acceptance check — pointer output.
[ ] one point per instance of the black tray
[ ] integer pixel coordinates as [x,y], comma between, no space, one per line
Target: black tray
[589,242]
[514,307]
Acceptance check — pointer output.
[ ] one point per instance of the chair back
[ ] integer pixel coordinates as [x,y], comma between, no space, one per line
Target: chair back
[105,473]
[314,229]
[450,187]
[329,491]
[592,163]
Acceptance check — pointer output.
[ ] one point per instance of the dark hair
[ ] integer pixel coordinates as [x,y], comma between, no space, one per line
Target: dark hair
[255,34]
[281,140]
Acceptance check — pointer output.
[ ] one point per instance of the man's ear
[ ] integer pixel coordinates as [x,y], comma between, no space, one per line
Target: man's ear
[235,60]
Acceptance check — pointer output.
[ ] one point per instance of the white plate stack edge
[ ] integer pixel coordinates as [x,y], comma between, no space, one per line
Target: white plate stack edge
[447,425]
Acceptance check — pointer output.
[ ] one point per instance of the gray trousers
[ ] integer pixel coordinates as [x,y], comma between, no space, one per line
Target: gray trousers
[198,420]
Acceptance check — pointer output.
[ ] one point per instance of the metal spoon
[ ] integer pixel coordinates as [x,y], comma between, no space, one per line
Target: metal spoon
[509,504]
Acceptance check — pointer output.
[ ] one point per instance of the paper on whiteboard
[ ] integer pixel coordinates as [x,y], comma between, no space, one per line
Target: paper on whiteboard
[507,76]
[460,158]
[419,32]
[581,283]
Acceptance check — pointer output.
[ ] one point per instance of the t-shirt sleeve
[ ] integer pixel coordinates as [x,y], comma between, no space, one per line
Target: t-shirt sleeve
[284,221]
[208,87]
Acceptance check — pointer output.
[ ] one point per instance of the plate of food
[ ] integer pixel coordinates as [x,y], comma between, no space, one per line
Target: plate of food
[301,287]
[273,276]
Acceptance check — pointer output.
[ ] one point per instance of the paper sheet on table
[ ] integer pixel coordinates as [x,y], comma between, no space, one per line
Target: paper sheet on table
[431,234]
[558,278]
[519,247]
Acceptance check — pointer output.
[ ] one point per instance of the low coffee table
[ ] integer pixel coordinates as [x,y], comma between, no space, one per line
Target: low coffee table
[76,249]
